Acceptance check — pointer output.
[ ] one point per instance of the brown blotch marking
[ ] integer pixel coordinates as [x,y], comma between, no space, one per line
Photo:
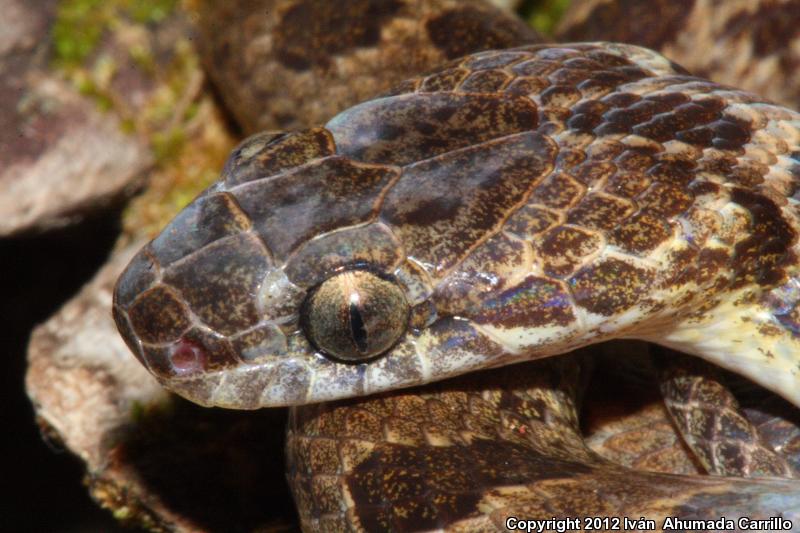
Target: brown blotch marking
[531,220]
[292,208]
[559,96]
[682,267]
[564,248]
[676,171]
[641,233]
[534,302]
[769,28]
[600,211]
[636,158]
[620,99]
[261,155]
[445,80]
[623,120]
[526,86]
[558,191]
[730,133]
[761,256]
[403,129]
[716,162]
[439,227]
[593,171]
[702,136]
[207,219]
[748,173]
[461,30]
[570,76]
[610,286]
[157,315]
[664,200]
[427,485]
[485,81]
[584,122]
[651,24]
[219,282]
[627,184]
[310,33]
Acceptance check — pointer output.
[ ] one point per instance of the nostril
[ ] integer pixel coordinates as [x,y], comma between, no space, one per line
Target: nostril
[187,357]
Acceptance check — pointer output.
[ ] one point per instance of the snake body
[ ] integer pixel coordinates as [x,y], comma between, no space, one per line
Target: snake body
[511,206]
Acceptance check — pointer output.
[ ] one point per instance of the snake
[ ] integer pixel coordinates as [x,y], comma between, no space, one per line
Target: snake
[509,207]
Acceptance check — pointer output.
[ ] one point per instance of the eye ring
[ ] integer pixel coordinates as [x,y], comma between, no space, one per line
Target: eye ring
[355,315]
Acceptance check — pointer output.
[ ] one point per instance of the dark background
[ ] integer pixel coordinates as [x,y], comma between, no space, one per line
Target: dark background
[42,482]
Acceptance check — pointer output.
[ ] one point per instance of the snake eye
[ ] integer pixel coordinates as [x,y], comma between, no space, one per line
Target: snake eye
[355,315]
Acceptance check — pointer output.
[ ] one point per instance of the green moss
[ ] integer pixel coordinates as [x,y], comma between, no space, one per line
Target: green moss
[167,145]
[77,30]
[151,11]
[80,24]
[544,15]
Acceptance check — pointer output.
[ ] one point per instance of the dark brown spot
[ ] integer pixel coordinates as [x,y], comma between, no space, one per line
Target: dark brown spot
[676,171]
[466,29]
[529,221]
[593,171]
[663,200]
[158,316]
[730,134]
[641,233]
[627,184]
[484,81]
[558,191]
[438,226]
[610,287]
[445,80]
[600,211]
[710,262]
[762,256]
[652,24]
[564,248]
[310,33]
[534,67]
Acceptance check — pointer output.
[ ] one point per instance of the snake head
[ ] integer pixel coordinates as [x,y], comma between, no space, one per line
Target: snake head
[279,285]
[309,272]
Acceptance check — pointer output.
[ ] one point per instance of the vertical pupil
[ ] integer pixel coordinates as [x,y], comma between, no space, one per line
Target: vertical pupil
[357,330]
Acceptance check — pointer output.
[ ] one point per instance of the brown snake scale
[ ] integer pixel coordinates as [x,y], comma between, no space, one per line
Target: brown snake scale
[510,206]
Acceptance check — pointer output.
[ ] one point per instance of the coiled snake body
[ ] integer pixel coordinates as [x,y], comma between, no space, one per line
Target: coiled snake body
[511,206]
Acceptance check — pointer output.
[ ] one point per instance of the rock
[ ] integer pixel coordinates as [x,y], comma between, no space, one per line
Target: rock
[60,157]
